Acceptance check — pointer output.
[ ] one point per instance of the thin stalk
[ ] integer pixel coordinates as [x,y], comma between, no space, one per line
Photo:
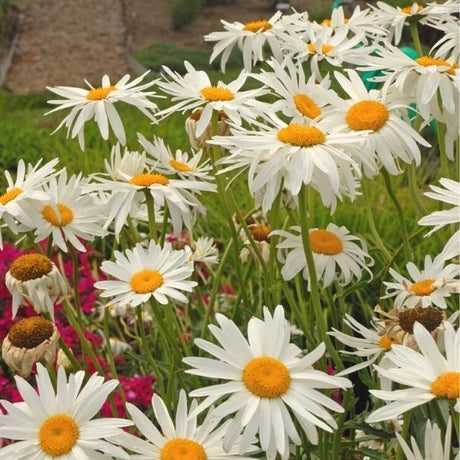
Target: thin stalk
[402,221]
[164,226]
[70,356]
[404,433]
[151,215]
[416,38]
[272,267]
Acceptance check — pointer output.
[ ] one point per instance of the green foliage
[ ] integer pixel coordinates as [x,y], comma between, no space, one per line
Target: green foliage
[184,12]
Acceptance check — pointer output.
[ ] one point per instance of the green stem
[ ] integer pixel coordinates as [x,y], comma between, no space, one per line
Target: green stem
[151,215]
[404,433]
[413,188]
[164,226]
[402,221]
[416,38]
[70,356]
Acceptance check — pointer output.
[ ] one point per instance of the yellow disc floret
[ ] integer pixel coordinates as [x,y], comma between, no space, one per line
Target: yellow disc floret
[30,332]
[182,449]
[30,267]
[427,61]
[178,166]
[386,342]
[408,9]
[66,215]
[301,136]
[326,48]
[146,180]
[447,385]
[97,94]
[367,115]
[325,242]
[58,434]
[306,106]
[257,26]
[266,377]
[10,195]
[216,93]
[146,281]
[423,288]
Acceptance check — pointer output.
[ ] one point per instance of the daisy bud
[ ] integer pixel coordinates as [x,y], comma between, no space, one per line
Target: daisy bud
[200,141]
[30,340]
[63,360]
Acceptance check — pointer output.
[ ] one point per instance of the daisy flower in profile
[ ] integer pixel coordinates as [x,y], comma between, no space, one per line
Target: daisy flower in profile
[27,186]
[338,255]
[194,89]
[428,287]
[142,273]
[98,103]
[204,250]
[427,374]
[185,165]
[69,216]
[58,424]
[268,380]
[448,192]
[184,439]
[128,163]
[435,447]
[372,344]
[35,278]
[250,38]
[299,99]
[389,138]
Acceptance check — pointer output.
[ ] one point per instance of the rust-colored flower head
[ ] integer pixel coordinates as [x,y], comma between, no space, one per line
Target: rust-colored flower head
[200,142]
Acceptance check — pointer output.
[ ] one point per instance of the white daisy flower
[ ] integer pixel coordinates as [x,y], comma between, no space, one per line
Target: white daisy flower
[338,255]
[300,100]
[184,439]
[28,185]
[372,344]
[430,286]
[118,346]
[296,153]
[449,193]
[144,273]
[194,89]
[204,250]
[36,279]
[250,39]
[185,165]
[128,163]
[268,379]
[58,424]
[435,448]
[389,137]
[69,216]
[448,46]
[427,374]
[98,103]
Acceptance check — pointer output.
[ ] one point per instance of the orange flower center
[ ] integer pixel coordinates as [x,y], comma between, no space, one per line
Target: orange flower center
[324,48]
[260,232]
[447,385]
[366,115]
[146,180]
[182,449]
[97,94]
[66,215]
[257,26]
[58,434]
[301,136]
[306,106]
[146,281]
[30,332]
[423,288]
[386,342]
[408,9]
[30,267]
[10,195]
[178,166]
[427,61]
[266,377]
[325,242]
[216,93]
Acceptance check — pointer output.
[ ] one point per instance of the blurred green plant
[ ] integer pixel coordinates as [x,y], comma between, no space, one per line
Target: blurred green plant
[184,12]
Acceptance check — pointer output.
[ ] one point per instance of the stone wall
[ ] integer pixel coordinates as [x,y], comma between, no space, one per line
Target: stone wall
[60,42]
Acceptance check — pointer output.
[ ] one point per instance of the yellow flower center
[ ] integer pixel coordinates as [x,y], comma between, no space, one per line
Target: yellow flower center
[10,195]
[98,94]
[182,449]
[386,342]
[30,332]
[178,166]
[257,26]
[266,377]
[146,180]
[65,212]
[366,115]
[216,93]
[324,48]
[325,242]
[301,136]
[447,385]
[429,317]
[260,232]
[427,61]
[58,434]
[306,106]
[408,9]
[146,281]
[30,267]
[423,288]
